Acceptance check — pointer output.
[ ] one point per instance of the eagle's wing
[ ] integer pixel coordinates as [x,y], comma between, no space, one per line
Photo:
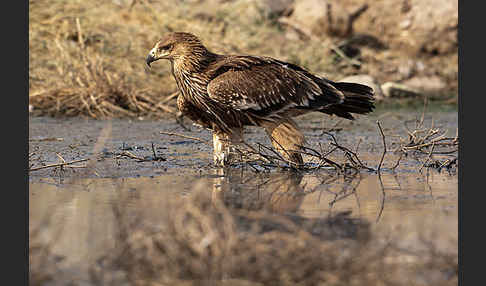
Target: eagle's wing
[265,85]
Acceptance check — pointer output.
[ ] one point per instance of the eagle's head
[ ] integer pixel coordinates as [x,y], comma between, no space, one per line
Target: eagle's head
[177,46]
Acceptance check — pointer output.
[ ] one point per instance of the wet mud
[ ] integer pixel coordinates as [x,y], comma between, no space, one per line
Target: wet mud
[152,153]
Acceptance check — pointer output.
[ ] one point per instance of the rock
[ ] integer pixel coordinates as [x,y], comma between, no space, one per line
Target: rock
[425,26]
[405,24]
[397,90]
[426,84]
[321,17]
[412,26]
[123,3]
[406,68]
[366,80]
[434,25]
[273,8]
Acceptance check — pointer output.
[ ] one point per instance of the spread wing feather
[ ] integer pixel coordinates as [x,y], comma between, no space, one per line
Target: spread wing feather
[264,85]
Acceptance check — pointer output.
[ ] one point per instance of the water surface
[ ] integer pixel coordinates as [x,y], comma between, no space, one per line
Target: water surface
[73,208]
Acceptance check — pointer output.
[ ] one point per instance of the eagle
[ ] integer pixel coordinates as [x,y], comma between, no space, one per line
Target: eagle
[225,93]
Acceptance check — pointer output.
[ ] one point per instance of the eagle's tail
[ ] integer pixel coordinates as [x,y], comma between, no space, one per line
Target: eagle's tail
[358,98]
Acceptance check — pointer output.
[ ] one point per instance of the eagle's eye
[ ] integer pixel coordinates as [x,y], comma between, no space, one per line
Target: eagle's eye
[165,48]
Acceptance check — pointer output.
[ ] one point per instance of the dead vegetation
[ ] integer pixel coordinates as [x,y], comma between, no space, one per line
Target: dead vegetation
[82,63]
[89,88]
[87,57]
[262,158]
[429,145]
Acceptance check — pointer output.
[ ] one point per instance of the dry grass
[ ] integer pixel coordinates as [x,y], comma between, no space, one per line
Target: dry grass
[87,57]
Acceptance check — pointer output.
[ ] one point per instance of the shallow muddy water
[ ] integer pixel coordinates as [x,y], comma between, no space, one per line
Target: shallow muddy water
[73,208]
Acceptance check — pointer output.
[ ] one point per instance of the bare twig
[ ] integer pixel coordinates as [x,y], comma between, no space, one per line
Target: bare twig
[46,139]
[58,165]
[130,155]
[323,157]
[384,146]
[349,154]
[155,153]
[398,162]
[428,158]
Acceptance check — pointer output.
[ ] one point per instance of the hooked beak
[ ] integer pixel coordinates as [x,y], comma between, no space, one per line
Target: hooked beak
[150,59]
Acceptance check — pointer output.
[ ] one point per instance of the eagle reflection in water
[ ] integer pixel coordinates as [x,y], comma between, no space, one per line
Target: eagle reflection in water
[280,192]
[283,193]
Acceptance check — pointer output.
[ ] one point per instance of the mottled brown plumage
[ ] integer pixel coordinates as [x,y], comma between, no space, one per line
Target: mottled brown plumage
[224,93]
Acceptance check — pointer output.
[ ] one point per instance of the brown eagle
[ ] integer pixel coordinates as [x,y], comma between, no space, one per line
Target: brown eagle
[225,93]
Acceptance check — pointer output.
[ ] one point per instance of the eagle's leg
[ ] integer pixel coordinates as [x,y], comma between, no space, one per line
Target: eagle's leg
[223,145]
[286,139]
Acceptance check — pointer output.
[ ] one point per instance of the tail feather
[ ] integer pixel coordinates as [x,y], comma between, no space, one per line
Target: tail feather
[358,99]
